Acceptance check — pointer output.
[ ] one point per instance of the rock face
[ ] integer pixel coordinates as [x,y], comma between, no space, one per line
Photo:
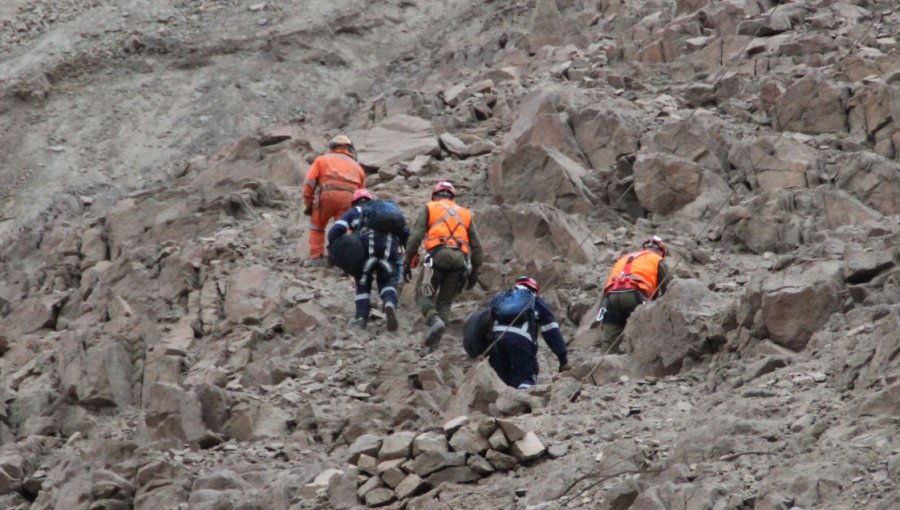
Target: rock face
[789,306]
[680,324]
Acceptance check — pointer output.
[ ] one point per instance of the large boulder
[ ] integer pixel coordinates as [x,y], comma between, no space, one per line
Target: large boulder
[687,321]
[770,163]
[533,233]
[542,174]
[171,412]
[396,139]
[606,134]
[787,307]
[872,179]
[812,105]
[32,315]
[667,184]
[699,138]
[480,392]
[252,293]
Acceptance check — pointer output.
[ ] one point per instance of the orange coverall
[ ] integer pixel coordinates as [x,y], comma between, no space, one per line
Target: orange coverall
[330,183]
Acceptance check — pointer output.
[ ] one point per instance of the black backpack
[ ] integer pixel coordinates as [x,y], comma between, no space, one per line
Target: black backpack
[383,216]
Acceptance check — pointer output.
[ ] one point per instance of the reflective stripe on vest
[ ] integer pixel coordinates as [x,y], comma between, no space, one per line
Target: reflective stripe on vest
[522,330]
[451,228]
[635,271]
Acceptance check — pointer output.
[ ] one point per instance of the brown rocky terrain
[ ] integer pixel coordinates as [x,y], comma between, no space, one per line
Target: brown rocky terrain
[162,346]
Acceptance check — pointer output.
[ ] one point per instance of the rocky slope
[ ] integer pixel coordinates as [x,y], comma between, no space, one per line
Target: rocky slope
[164,348]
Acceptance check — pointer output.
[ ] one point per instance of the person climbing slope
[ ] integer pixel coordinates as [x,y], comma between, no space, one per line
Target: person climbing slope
[453,256]
[328,190]
[517,315]
[382,232]
[634,279]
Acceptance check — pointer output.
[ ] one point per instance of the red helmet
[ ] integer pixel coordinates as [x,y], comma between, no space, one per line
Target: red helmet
[528,282]
[656,242]
[445,186]
[361,194]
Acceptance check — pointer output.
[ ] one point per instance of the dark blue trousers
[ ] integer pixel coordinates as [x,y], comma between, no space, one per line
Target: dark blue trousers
[514,358]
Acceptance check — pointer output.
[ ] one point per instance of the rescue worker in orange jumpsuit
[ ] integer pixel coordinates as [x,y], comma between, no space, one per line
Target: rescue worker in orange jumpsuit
[328,191]
[635,278]
[453,255]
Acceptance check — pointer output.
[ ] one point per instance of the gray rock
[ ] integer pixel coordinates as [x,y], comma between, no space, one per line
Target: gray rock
[396,446]
[558,450]
[342,491]
[367,444]
[380,497]
[468,439]
[411,486]
[454,145]
[429,442]
[480,465]
[498,440]
[429,462]
[393,476]
[459,474]
[501,461]
[528,448]
[368,486]
[367,464]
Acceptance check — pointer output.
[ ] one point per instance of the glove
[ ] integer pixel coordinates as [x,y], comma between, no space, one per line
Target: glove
[307,211]
[471,282]
[565,367]
[407,273]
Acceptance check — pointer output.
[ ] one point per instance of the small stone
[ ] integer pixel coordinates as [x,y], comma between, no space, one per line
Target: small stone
[818,377]
[367,464]
[257,7]
[520,493]
[498,440]
[558,450]
[429,462]
[468,439]
[393,476]
[455,424]
[512,431]
[411,486]
[397,446]
[365,444]
[369,485]
[480,465]
[459,474]
[501,461]
[380,497]
[528,448]
[429,442]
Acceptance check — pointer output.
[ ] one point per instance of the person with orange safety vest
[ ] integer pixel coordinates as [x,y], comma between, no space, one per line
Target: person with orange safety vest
[453,255]
[330,182]
[635,278]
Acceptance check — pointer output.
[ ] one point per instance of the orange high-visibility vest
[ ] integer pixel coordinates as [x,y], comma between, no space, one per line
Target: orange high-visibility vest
[635,271]
[334,171]
[448,224]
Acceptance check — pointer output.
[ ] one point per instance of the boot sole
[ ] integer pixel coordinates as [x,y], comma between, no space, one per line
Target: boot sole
[391,318]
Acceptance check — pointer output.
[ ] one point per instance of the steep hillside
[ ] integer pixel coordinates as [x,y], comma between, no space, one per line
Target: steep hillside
[164,347]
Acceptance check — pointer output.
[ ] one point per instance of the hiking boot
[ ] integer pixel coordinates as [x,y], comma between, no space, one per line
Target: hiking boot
[391,314]
[434,334]
[359,322]
[316,262]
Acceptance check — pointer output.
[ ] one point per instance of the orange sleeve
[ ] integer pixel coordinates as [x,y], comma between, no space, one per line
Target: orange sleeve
[312,180]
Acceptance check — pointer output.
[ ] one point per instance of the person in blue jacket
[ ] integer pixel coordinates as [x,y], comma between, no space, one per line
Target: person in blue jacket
[514,352]
[385,252]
